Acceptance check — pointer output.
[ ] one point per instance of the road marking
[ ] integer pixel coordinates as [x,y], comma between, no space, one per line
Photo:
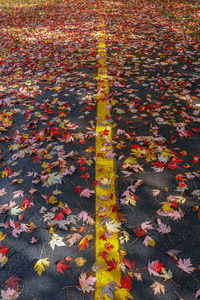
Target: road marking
[105,174]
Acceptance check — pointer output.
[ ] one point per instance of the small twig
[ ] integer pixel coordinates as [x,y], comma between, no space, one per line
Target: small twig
[133,241]
[69,286]
[176,284]
[180,275]
[179,295]
[170,239]
[68,294]
[141,269]
[9,270]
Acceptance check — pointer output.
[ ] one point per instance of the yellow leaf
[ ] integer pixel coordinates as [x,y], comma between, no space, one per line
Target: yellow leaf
[152,243]
[2,237]
[51,230]
[41,264]
[180,199]
[167,206]
[44,165]
[89,237]
[80,261]
[130,160]
[3,260]
[53,200]
[122,294]
[89,162]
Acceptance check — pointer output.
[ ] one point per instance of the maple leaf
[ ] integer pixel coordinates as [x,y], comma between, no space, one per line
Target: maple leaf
[2,236]
[149,241]
[73,238]
[87,193]
[3,260]
[62,265]
[113,226]
[3,192]
[9,294]
[167,206]
[151,268]
[145,225]
[41,264]
[87,282]
[163,228]
[83,243]
[175,215]
[80,261]
[16,210]
[158,288]
[197,295]
[126,282]
[112,265]
[12,282]
[167,275]
[17,194]
[129,264]
[109,246]
[33,240]
[185,265]
[139,232]
[124,237]
[26,204]
[159,166]
[32,191]
[138,276]
[86,218]
[3,250]
[56,241]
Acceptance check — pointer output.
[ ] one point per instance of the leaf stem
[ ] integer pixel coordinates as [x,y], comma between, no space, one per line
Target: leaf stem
[69,286]
[134,241]
[180,275]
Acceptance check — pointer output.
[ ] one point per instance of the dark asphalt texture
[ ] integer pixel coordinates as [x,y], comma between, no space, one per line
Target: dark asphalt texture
[153,73]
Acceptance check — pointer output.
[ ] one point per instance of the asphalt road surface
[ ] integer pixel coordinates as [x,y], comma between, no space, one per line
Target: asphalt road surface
[48,92]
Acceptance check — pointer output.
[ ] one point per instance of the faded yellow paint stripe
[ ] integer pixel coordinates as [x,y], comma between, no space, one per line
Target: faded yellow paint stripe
[105,176]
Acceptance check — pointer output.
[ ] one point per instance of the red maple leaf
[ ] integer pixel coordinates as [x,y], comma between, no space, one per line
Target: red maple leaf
[103,237]
[78,189]
[62,265]
[58,216]
[172,165]
[128,264]
[182,184]
[82,141]
[104,132]
[66,210]
[85,175]
[115,208]
[3,250]
[82,161]
[174,204]
[139,231]
[103,254]
[109,246]
[126,282]
[112,265]
[37,158]
[12,282]
[158,267]
[26,204]
[83,243]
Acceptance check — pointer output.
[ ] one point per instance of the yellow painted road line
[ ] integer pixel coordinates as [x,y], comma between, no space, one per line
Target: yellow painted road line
[105,175]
